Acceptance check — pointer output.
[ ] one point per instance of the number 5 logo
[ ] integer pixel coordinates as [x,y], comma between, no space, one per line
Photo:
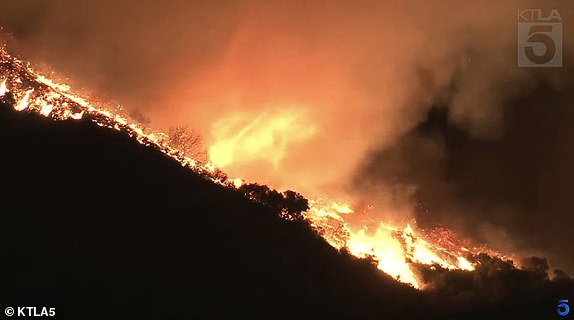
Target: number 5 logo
[539,40]
[540,35]
[563,309]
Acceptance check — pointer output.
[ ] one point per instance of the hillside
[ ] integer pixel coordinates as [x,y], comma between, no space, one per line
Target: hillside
[112,229]
[90,218]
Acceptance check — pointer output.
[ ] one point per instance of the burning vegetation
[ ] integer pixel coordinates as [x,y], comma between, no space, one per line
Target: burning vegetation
[399,251]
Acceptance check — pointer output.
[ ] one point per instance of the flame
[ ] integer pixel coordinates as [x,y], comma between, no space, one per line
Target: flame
[237,182]
[3,88]
[49,82]
[464,264]
[385,249]
[244,137]
[24,103]
[395,250]
[44,96]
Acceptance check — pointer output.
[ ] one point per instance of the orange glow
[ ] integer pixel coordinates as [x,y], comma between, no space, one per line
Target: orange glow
[394,249]
[464,264]
[245,138]
[385,249]
[237,182]
[3,88]
[24,103]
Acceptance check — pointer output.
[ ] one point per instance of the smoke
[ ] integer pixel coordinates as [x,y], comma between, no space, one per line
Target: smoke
[491,157]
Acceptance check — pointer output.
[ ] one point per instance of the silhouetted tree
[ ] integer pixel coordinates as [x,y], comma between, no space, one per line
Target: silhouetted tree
[294,205]
[219,175]
[289,205]
[187,141]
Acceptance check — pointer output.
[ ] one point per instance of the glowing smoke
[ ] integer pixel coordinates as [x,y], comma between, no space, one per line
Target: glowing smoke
[361,75]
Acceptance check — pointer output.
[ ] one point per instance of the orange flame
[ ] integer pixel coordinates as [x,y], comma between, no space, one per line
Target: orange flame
[24,103]
[386,250]
[243,137]
[394,249]
[3,88]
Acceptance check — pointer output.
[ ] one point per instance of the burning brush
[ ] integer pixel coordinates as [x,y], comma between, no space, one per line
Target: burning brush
[396,250]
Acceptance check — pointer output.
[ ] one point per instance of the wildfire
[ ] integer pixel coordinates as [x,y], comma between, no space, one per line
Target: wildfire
[24,102]
[37,93]
[243,137]
[3,88]
[394,249]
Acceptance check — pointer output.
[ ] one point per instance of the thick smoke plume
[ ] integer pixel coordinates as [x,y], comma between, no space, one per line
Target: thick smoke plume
[415,106]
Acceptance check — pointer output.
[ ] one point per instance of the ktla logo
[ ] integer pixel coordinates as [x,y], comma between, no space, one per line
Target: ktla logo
[539,38]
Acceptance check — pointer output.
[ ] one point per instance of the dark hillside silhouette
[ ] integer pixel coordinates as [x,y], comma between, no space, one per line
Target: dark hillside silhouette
[91,219]
[116,230]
